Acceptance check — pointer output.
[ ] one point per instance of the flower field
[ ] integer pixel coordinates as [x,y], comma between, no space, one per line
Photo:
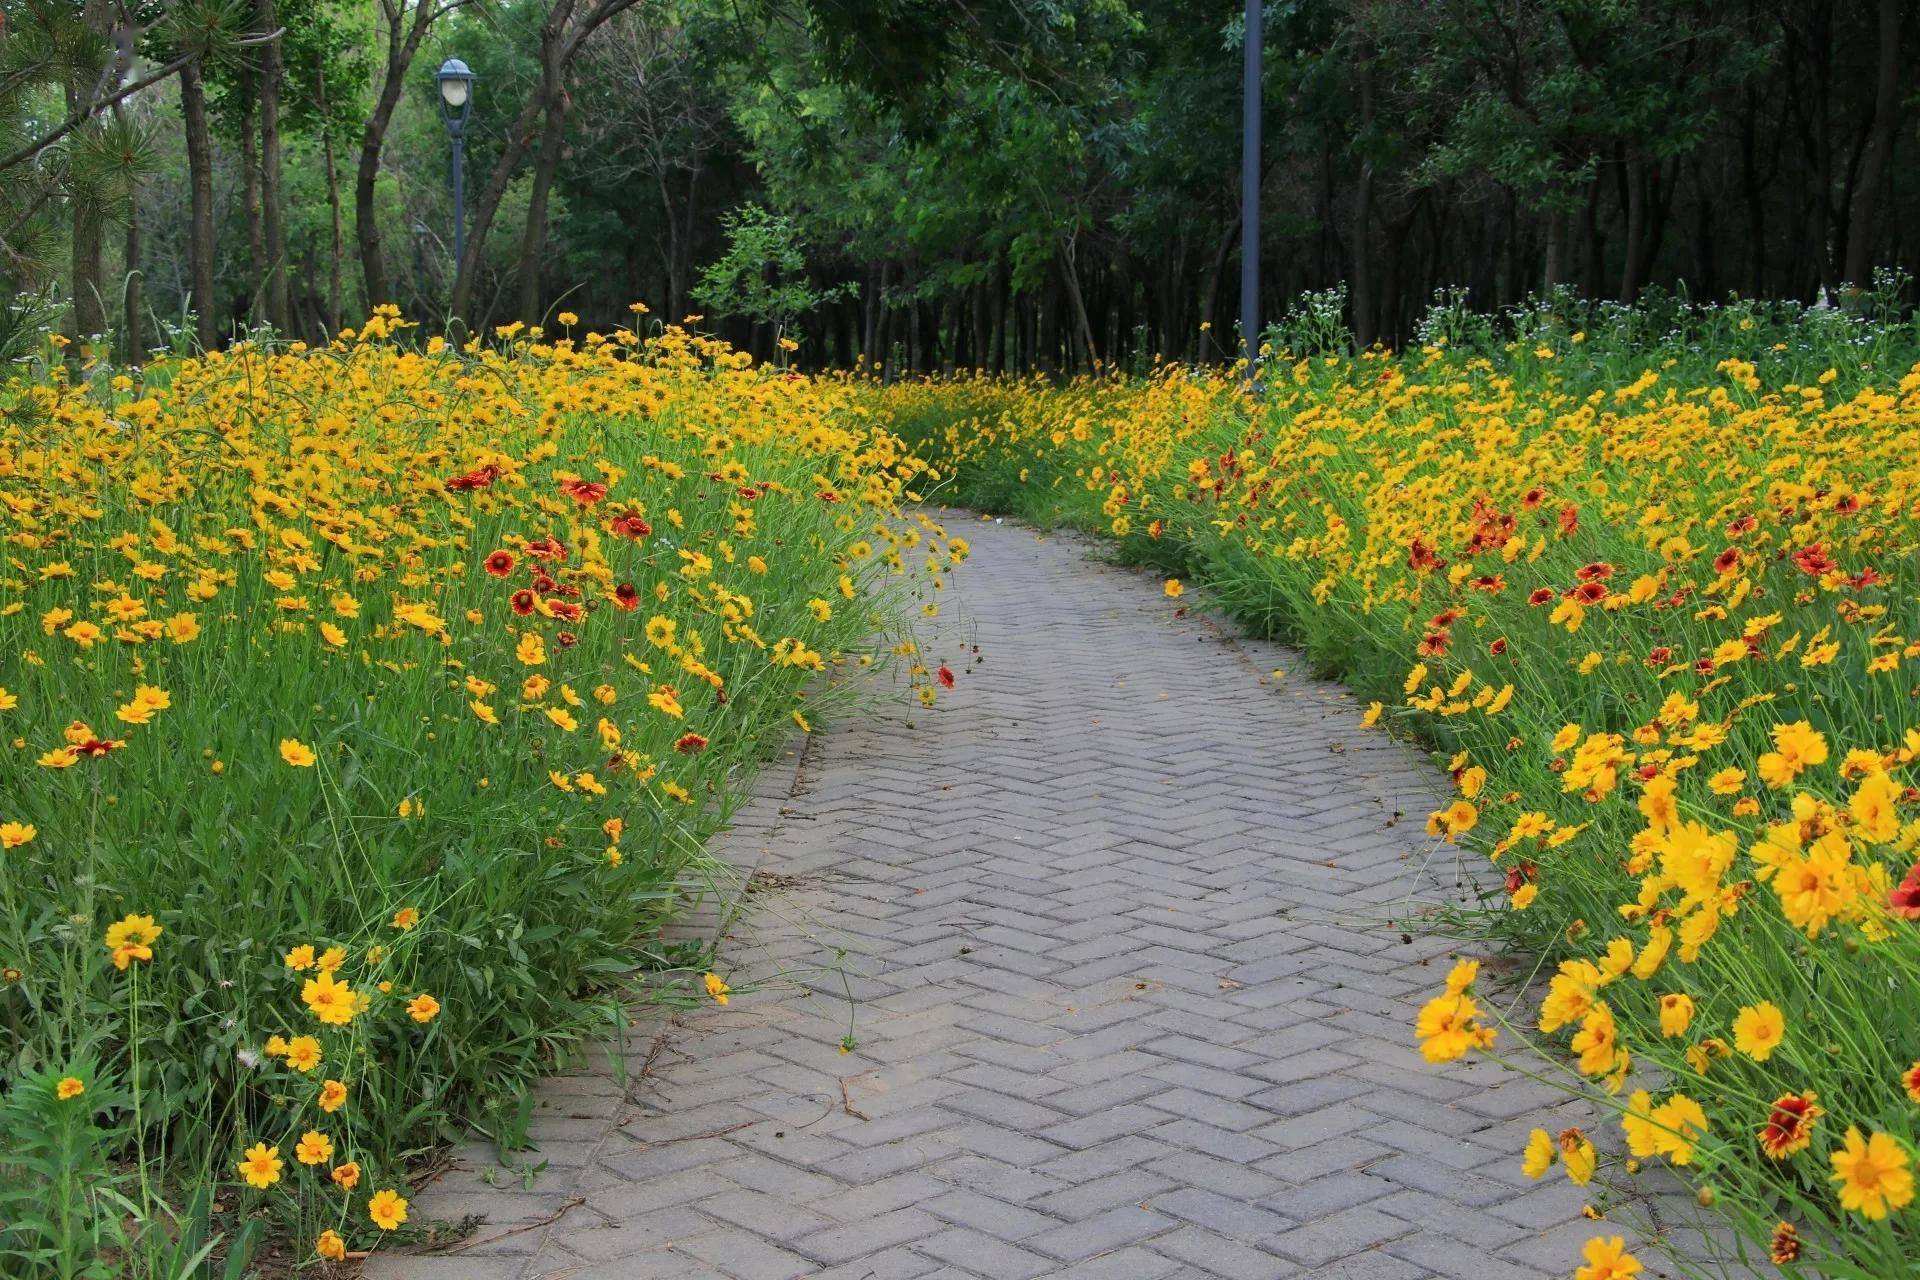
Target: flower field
[364,711]
[1651,601]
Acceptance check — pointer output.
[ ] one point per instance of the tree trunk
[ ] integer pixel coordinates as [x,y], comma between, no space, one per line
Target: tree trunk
[1866,196]
[132,303]
[273,206]
[1216,275]
[480,221]
[978,357]
[997,349]
[1086,354]
[533,241]
[366,226]
[250,199]
[1636,212]
[193,111]
[89,307]
[561,38]
[1554,269]
[336,247]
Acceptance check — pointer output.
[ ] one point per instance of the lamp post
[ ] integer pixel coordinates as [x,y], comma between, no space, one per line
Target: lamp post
[456,104]
[1250,189]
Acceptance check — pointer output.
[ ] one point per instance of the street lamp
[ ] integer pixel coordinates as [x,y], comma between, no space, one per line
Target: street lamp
[1250,105]
[456,104]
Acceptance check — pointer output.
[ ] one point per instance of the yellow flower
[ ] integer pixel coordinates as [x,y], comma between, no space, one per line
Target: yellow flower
[303,1053]
[330,1000]
[1540,1154]
[406,918]
[1676,1014]
[1758,1030]
[1447,1028]
[1462,976]
[132,938]
[330,1246]
[261,1167]
[423,1007]
[297,753]
[15,834]
[1607,1259]
[1174,590]
[314,1147]
[717,988]
[387,1209]
[1874,1174]
[1578,1155]
[333,1095]
[1873,807]
[70,1087]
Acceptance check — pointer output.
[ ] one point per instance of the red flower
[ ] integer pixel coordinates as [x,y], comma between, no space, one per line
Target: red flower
[1847,505]
[690,744]
[523,602]
[1659,655]
[1540,596]
[500,563]
[474,480]
[1598,571]
[1569,518]
[945,677]
[1814,560]
[1532,499]
[629,526]
[547,548]
[1868,577]
[1590,592]
[566,610]
[1911,1079]
[584,492]
[97,747]
[1789,1126]
[1905,900]
[626,597]
[1422,558]
[1498,647]
[566,639]
[1726,560]
[1745,524]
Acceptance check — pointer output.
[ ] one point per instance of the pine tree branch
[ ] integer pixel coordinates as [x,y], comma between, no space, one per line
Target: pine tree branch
[86,113]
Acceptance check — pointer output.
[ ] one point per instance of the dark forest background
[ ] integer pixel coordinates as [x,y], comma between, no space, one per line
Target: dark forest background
[1008,184]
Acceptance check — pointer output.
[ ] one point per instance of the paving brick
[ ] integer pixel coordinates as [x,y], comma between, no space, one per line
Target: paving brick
[1126,1006]
[1101,1233]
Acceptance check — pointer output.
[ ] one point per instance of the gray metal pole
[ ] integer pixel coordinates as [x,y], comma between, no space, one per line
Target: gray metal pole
[459,199]
[1250,187]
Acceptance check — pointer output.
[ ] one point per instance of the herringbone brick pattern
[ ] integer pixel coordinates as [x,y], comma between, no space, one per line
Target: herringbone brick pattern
[1128,931]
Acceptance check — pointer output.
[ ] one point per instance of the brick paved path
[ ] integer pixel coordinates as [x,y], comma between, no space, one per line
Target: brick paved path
[1130,997]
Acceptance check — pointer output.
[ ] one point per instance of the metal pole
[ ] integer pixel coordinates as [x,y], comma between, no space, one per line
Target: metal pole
[1250,187]
[459,199]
